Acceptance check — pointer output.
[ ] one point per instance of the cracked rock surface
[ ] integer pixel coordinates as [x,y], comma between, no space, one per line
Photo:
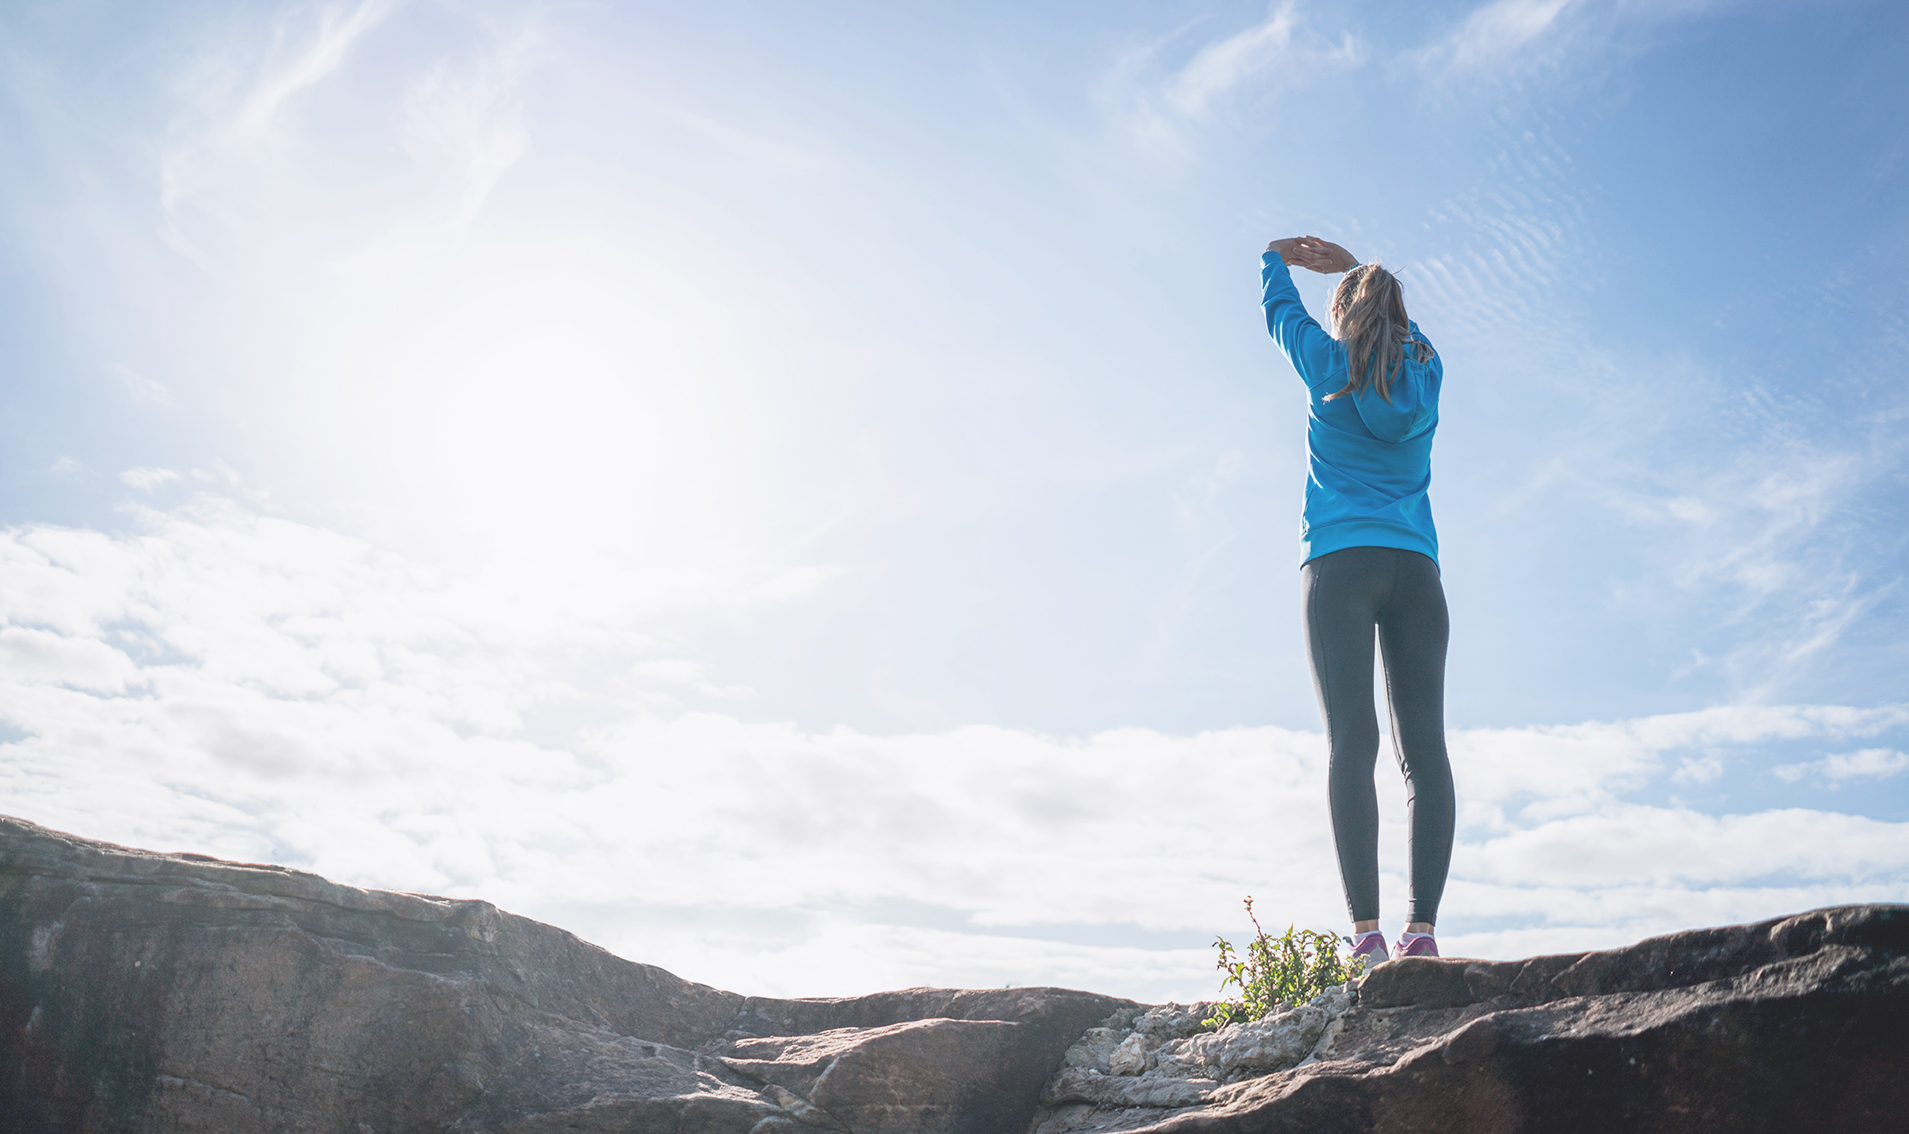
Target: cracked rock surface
[179,994]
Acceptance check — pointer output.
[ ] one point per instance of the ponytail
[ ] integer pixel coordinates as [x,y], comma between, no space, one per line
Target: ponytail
[1369,318]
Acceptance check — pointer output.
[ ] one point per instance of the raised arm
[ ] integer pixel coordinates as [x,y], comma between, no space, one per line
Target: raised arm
[1312,352]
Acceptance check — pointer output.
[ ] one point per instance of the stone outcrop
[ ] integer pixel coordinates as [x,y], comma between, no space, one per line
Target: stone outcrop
[175,993]
[149,992]
[1164,1058]
[1800,1023]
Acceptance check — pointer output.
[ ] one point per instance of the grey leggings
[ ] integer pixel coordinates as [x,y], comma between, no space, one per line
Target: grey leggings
[1347,593]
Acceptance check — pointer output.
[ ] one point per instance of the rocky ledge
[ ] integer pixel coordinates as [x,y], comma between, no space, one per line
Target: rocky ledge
[149,992]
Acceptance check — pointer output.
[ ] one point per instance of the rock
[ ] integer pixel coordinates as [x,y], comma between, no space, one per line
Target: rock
[149,992]
[1094,1049]
[1172,1021]
[1168,1061]
[1138,1052]
[1800,1023]
[1276,1042]
[1129,1056]
[904,1077]
[145,992]
[1423,981]
[1080,1085]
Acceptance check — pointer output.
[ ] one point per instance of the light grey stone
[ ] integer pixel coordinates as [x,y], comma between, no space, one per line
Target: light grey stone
[1078,1085]
[1130,1055]
[1172,1021]
[1274,1043]
[1093,1049]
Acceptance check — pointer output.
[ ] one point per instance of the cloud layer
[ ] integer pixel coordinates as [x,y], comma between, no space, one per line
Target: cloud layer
[229,682]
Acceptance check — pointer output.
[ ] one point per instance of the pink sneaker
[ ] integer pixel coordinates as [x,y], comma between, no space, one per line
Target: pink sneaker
[1370,948]
[1417,945]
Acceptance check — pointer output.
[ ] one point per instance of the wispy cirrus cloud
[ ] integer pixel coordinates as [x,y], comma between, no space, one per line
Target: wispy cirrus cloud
[298,62]
[1507,244]
[254,139]
[1735,499]
[1778,543]
[1503,38]
[240,92]
[1158,103]
[1244,57]
[1496,31]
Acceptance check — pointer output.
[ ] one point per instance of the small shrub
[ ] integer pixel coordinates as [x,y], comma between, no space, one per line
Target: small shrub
[1289,969]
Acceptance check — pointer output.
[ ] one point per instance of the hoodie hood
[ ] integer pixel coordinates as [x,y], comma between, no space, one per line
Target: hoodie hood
[1414,406]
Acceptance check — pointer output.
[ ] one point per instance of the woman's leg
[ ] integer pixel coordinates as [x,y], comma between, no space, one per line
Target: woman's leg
[1413,630]
[1341,592]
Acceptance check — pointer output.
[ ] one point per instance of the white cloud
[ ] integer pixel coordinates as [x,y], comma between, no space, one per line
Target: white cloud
[219,474]
[1870,763]
[693,675]
[673,670]
[1280,52]
[1636,844]
[247,686]
[145,479]
[1699,769]
[255,139]
[339,27]
[1221,66]
[1499,29]
[294,59]
[1762,537]
[1866,764]
[1506,36]
[140,388]
[466,123]
[43,658]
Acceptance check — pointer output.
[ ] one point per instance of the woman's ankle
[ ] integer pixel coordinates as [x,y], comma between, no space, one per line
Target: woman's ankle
[1424,927]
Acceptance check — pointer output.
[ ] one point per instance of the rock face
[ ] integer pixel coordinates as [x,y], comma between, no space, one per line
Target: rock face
[174,993]
[146,992]
[1796,1024]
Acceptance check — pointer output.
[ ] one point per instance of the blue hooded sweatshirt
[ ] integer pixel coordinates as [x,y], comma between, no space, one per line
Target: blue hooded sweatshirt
[1369,460]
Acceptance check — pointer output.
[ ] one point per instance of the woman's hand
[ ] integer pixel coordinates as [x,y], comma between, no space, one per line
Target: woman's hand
[1286,248]
[1320,255]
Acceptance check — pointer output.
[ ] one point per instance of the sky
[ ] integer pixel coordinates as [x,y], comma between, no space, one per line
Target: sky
[802,494]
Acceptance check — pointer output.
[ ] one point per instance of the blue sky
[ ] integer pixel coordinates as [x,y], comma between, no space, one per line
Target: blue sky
[802,494]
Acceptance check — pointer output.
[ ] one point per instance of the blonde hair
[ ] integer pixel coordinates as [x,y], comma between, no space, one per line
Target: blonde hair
[1368,315]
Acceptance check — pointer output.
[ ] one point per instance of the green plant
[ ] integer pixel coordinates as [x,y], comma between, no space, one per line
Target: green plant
[1289,969]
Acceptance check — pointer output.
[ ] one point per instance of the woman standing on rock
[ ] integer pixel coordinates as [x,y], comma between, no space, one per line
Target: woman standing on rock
[1370,559]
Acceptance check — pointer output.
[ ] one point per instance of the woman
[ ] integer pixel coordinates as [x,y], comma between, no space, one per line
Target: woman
[1371,560]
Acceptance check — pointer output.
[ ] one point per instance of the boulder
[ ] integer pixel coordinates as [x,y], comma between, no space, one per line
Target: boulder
[155,992]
